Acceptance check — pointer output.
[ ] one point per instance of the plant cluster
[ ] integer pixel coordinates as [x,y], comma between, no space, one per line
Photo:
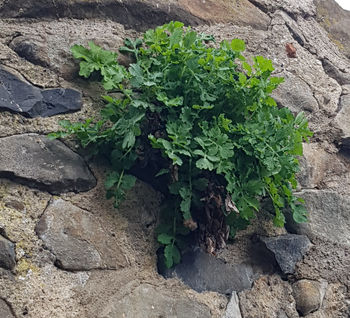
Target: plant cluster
[203,119]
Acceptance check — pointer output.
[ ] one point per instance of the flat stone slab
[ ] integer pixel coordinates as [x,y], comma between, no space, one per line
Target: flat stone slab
[7,254]
[21,97]
[329,216]
[204,272]
[149,301]
[77,239]
[49,165]
[288,249]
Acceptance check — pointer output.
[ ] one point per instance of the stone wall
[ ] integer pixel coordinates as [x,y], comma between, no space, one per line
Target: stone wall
[65,252]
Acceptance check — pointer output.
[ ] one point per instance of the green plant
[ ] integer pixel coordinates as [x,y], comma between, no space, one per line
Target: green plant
[204,118]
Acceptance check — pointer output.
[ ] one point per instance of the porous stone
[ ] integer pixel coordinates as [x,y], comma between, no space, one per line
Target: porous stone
[5,310]
[47,164]
[269,297]
[307,296]
[341,77]
[232,309]
[295,94]
[77,239]
[328,217]
[204,272]
[288,249]
[21,97]
[7,254]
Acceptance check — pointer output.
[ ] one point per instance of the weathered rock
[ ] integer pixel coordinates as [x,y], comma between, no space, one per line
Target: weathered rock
[341,77]
[142,14]
[269,296]
[307,296]
[329,216]
[204,272]
[148,301]
[33,50]
[288,250]
[5,310]
[7,254]
[47,164]
[295,94]
[77,239]
[316,172]
[346,89]
[336,21]
[342,120]
[302,7]
[21,97]
[232,309]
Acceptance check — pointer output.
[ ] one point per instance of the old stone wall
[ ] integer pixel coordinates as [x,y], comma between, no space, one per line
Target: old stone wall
[65,252]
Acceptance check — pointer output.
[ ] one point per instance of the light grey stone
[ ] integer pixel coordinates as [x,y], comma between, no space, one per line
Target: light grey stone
[149,301]
[328,218]
[232,309]
[342,120]
[77,238]
[50,165]
[295,94]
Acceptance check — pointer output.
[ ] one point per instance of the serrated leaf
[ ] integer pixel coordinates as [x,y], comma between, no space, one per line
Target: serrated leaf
[204,164]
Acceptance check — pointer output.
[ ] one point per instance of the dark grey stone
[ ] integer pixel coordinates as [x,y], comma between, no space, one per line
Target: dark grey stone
[204,272]
[33,50]
[21,97]
[60,100]
[49,165]
[288,249]
[7,254]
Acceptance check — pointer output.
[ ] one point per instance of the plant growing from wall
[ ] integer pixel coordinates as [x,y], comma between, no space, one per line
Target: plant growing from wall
[202,118]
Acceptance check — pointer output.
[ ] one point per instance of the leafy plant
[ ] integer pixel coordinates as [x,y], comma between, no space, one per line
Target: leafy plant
[203,119]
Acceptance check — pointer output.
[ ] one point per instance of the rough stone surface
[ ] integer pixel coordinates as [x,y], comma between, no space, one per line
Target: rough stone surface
[269,296]
[148,301]
[35,43]
[203,272]
[328,216]
[295,94]
[232,309]
[20,97]
[7,254]
[142,14]
[5,310]
[288,250]
[342,120]
[47,164]
[336,21]
[307,296]
[77,239]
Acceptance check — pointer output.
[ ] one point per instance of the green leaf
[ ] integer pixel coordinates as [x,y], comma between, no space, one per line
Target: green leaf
[204,164]
[162,172]
[299,213]
[112,179]
[172,255]
[185,206]
[237,45]
[165,239]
